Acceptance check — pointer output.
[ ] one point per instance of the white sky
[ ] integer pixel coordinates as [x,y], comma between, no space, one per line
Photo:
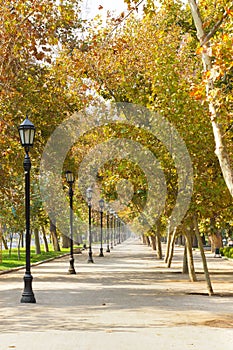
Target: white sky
[90,7]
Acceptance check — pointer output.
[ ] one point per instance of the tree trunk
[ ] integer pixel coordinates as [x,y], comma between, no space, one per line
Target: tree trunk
[215,236]
[191,269]
[65,241]
[22,239]
[216,241]
[144,239]
[78,239]
[203,239]
[148,241]
[18,247]
[183,239]
[168,244]
[4,243]
[153,242]
[78,236]
[37,241]
[53,231]
[158,238]
[159,246]
[195,242]
[1,242]
[2,239]
[171,251]
[179,240]
[46,246]
[220,148]
[185,261]
[204,262]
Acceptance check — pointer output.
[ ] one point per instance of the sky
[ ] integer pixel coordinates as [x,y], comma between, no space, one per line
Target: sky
[90,7]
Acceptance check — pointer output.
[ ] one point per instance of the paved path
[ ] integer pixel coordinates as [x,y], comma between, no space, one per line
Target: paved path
[126,300]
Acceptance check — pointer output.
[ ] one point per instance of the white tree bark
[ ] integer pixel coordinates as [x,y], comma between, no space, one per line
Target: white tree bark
[220,148]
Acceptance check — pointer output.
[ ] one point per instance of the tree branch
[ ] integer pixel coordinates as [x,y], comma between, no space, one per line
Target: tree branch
[215,27]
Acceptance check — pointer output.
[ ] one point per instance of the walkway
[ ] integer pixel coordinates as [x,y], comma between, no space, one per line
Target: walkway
[126,300]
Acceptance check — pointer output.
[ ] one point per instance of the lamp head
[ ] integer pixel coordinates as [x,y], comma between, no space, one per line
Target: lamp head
[89,194]
[69,177]
[101,203]
[27,133]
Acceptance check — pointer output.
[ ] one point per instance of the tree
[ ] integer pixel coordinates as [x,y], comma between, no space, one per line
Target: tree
[216,52]
[32,82]
[154,66]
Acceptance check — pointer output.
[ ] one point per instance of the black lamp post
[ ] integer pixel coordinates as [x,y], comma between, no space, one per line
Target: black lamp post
[101,204]
[123,238]
[112,223]
[119,231]
[27,133]
[89,197]
[115,228]
[108,233]
[70,181]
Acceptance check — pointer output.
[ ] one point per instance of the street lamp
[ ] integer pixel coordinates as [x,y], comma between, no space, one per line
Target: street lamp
[108,233]
[119,231]
[112,222]
[27,133]
[101,204]
[89,197]
[123,231]
[70,181]
[116,229]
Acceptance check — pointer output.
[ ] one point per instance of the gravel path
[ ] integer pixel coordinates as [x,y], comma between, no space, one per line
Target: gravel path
[126,300]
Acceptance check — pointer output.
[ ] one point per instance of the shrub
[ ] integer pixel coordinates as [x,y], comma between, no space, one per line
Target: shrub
[227,251]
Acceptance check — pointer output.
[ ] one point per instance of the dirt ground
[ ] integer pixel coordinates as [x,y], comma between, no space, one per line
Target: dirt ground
[126,300]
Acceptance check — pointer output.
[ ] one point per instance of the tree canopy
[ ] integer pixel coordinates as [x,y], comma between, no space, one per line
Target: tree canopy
[51,69]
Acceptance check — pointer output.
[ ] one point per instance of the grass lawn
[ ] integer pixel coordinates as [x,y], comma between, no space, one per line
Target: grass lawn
[8,262]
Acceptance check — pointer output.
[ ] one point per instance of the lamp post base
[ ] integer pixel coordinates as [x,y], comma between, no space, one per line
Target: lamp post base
[108,249]
[28,295]
[101,254]
[90,259]
[71,270]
